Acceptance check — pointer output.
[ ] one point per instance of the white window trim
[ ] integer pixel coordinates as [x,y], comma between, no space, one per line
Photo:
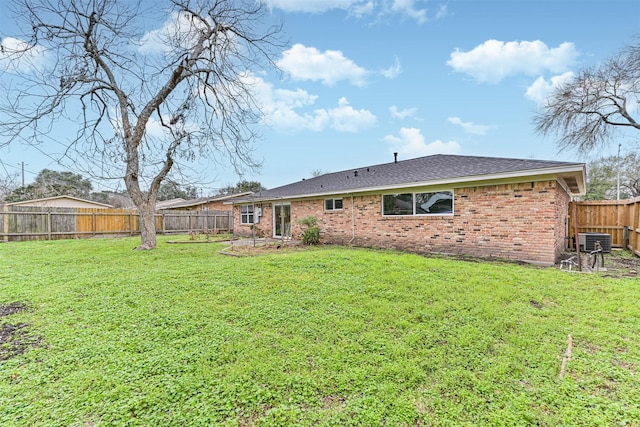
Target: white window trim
[413,204]
[334,204]
[247,214]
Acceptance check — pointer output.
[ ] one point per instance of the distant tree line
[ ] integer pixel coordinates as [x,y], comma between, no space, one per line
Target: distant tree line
[242,187]
[50,183]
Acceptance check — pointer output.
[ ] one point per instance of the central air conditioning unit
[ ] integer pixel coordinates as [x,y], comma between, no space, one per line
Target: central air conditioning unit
[587,241]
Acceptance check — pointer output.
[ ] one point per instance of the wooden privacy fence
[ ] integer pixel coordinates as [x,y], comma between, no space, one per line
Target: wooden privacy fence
[35,223]
[619,218]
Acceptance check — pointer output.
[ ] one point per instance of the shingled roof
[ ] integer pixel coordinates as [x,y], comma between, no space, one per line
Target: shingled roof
[430,170]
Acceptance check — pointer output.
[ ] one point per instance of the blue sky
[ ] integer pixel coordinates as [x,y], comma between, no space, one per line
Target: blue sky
[363,79]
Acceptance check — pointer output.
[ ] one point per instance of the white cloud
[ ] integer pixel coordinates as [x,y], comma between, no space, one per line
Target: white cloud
[178,31]
[470,127]
[442,12]
[494,60]
[402,114]
[330,66]
[285,111]
[315,6]
[541,89]
[393,71]
[411,143]
[345,118]
[358,8]
[409,8]
[17,56]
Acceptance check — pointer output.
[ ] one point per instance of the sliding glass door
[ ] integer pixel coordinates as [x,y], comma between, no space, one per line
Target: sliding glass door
[282,220]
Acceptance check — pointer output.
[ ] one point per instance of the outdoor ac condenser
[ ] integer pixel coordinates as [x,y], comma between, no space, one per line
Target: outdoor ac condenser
[587,241]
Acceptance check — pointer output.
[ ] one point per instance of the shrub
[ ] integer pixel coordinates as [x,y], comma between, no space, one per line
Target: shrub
[311,235]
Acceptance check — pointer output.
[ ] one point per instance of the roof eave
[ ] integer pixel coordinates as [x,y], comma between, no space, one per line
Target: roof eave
[576,170]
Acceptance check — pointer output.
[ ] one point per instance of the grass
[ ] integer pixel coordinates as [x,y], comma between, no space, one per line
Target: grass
[325,336]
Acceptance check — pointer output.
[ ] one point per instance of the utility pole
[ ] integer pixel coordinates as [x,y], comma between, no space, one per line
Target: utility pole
[22,174]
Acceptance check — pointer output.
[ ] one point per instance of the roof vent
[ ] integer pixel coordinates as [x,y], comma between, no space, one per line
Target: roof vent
[395,157]
[355,173]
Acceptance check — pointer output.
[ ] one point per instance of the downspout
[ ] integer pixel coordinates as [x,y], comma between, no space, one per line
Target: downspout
[253,222]
[353,220]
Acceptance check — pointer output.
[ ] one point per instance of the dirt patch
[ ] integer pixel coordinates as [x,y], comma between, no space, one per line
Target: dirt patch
[621,265]
[12,308]
[14,338]
[617,264]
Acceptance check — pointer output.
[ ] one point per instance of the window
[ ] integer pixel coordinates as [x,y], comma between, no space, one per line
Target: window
[246,214]
[439,203]
[332,204]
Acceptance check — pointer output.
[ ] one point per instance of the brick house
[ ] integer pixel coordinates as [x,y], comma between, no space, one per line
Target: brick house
[480,206]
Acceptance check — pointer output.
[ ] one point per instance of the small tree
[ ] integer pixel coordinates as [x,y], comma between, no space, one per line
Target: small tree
[170,190]
[602,177]
[142,101]
[7,185]
[311,233]
[586,111]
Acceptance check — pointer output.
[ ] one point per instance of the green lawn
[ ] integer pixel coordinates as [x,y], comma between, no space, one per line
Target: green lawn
[325,336]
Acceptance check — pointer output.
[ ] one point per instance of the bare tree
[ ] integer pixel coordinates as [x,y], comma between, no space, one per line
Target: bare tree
[8,184]
[144,102]
[587,110]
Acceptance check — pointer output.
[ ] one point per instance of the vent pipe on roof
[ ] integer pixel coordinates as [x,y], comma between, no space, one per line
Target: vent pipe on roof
[395,157]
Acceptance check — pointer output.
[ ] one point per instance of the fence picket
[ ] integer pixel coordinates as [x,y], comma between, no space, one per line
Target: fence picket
[612,217]
[34,223]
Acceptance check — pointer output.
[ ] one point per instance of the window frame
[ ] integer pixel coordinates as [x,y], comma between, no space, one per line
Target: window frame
[248,217]
[333,204]
[413,204]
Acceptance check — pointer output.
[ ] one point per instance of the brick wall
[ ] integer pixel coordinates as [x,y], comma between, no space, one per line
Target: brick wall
[263,229]
[562,221]
[524,221]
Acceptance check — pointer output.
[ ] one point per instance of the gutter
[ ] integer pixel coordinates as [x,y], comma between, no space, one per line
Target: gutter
[573,168]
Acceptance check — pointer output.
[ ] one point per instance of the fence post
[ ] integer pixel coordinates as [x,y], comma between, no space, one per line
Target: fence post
[5,222]
[48,224]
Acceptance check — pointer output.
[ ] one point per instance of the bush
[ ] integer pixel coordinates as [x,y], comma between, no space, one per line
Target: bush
[311,235]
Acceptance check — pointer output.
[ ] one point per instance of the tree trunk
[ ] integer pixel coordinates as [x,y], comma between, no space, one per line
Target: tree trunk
[147,226]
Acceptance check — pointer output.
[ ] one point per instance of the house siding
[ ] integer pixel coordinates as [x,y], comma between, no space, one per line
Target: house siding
[520,221]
